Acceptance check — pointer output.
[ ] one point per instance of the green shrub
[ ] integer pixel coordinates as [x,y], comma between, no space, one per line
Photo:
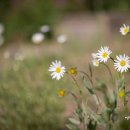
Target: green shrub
[28,100]
[25,17]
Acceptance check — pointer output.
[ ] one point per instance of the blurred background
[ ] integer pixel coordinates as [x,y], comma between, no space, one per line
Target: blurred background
[33,33]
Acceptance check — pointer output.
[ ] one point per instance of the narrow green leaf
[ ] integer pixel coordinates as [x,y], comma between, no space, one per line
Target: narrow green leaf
[90,69]
[74,121]
[92,125]
[71,126]
[90,90]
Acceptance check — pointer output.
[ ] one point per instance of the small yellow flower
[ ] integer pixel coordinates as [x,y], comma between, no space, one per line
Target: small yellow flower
[61,93]
[72,71]
[121,93]
[95,62]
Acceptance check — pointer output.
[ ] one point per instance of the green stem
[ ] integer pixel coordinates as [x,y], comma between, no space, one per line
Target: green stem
[77,84]
[91,81]
[109,127]
[124,100]
[110,73]
[112,59]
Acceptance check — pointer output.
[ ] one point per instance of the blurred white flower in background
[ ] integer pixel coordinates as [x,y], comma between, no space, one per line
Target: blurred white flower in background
[61,38]
[127,117]
[124,29]
[6,54]
[37,38]
[19,57]
[1,28]
[44,28]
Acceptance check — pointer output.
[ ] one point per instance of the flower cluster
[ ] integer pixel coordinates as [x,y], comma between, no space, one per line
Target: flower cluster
[121,63]
[43,33]
[46,32]
[84,116]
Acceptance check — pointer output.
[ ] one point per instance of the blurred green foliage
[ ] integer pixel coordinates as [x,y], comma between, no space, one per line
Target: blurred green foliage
[97,5]
[22,18]
[74,6]
[28,100]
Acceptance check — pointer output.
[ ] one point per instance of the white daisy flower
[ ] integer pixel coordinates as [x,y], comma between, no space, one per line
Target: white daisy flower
[103,54]
[122,63]
[61,39]
[57,70]
[95,62]
[45,28]
[124,30]
[127,117]
[94,55]
[37,38]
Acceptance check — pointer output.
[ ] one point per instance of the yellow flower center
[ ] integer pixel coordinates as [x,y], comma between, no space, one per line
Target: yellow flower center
[121,93]
[72,71]
[97,63]
[58,69]
[122,63]
[126,30]
[104,55]
[61,93]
